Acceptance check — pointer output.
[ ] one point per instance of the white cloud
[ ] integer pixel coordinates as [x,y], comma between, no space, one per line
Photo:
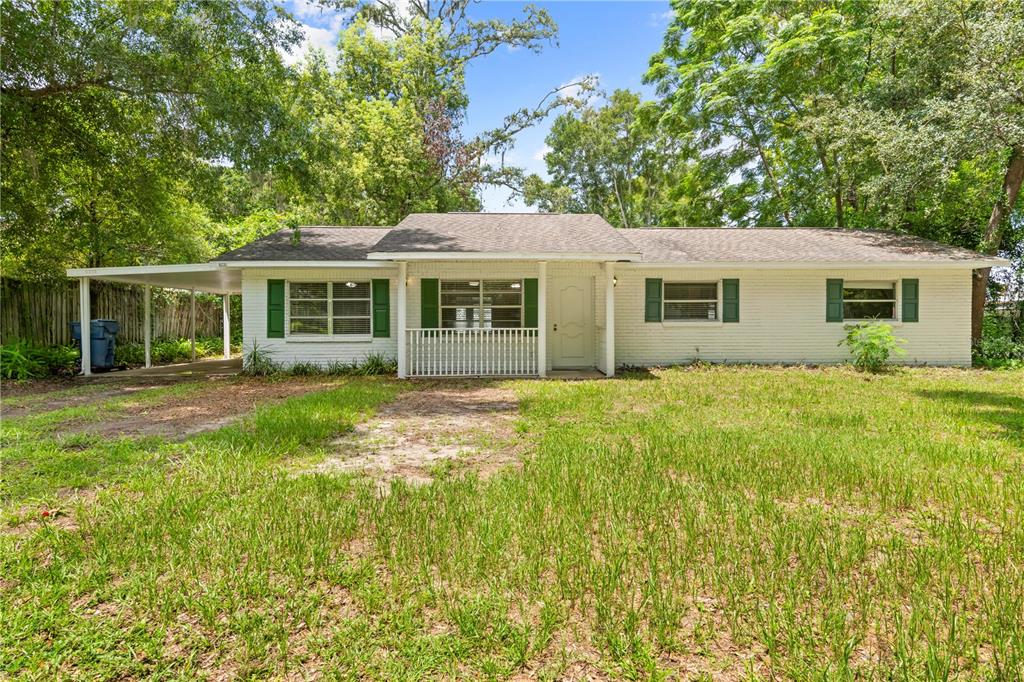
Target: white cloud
[573,87]
[314,37]
[541,153]
[659,18]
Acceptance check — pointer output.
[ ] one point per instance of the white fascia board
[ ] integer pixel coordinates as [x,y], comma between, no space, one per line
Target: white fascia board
[502,255]
[825,265]
[237,265]
[142,270]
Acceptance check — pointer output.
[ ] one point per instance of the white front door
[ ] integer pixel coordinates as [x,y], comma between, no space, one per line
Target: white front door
[572,323]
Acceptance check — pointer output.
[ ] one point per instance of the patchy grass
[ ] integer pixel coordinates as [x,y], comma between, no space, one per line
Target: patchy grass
[729,523]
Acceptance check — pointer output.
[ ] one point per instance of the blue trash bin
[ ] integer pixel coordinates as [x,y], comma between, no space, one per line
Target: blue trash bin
[103,334]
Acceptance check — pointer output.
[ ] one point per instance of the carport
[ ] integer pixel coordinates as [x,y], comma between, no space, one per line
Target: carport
[212,278]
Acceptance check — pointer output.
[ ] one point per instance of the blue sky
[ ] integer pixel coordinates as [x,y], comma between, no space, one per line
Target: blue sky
[612,40]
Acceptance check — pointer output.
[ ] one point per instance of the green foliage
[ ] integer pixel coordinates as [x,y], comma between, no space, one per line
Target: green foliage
[166,350]
[259,362]
[863,114]
[872,344]
[20,360]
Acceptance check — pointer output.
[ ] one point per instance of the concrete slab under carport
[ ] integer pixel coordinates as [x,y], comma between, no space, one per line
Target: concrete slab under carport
[201,369]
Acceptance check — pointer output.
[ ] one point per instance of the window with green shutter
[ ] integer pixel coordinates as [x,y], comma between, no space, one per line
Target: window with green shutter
[730,300]
[910,300]
[381,308]
[429,297]
[275,308]
[652,300]
[834,300]
[530,303]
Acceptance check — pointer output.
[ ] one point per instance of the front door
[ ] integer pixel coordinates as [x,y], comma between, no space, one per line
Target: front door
[572,326]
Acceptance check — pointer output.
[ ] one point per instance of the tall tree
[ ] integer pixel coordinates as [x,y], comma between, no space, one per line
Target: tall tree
[878,113]
[109,107]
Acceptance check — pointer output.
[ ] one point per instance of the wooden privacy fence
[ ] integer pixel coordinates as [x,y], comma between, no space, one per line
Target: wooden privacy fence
[40,312]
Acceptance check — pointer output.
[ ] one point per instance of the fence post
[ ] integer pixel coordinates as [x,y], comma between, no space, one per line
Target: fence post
[192,326]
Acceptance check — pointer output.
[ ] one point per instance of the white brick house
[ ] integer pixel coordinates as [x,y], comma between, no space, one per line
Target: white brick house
[469,294]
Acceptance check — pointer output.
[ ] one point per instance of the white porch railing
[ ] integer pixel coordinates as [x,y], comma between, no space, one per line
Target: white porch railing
[471,352]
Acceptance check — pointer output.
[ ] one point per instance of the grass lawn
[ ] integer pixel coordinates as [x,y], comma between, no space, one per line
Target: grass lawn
[694,523]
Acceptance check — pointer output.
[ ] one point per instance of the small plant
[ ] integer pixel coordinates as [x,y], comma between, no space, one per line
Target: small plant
[377,363]
[872,344]
[259,362]
[21,360]
[305,369]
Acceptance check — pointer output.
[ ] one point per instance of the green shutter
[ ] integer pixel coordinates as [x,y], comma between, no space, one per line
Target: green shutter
[530,303]
[428,304]
[834,300]
[652,300]
[910,298]
[381,308]
[275,308]
[730,300]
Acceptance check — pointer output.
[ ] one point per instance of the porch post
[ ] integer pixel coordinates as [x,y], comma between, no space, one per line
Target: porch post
[147,324]
[609,319]
[226,302]
[192,330]
[84,316]
[542,318]
[403,369]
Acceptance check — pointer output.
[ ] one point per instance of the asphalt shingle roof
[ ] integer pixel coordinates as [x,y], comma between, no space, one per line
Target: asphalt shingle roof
[567,233]
[766,245]
[504,232]
[315,243]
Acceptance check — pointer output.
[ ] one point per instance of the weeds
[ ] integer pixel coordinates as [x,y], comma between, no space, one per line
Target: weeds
[729,523]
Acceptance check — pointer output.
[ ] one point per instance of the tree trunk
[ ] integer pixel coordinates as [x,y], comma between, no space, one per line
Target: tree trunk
[993,233]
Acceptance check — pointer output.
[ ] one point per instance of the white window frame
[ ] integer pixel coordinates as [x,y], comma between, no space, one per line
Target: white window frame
[330,335]
[480,304]
[897,304]
[695,321]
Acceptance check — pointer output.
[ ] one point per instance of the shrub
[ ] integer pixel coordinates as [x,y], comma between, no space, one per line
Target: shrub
[376,363]
[22,360]
[998,352]
[871,344]
[259,362]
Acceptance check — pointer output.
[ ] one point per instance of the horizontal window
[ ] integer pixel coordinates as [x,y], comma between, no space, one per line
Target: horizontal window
[693,301]
[869,300]
[486,304]
[329,308]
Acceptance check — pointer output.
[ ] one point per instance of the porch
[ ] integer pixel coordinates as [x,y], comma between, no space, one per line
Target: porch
[508,319]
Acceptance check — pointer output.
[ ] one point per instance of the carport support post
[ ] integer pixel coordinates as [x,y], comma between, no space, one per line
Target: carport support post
[192,326]
[609,319]
[403,364]
[542,319]
[226,300]
[147,331]
[84,315]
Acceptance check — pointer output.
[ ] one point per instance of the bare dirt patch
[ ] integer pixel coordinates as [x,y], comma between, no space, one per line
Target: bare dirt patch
[221,402]
[467,426]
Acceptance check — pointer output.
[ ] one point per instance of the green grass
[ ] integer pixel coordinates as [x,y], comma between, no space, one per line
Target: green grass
[740,522]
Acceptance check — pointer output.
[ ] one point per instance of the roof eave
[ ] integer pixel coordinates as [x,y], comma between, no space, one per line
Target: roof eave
[238,264]
[822,264]
[503,255]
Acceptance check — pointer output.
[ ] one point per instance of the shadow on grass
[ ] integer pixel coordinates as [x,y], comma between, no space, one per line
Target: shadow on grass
[1006,411]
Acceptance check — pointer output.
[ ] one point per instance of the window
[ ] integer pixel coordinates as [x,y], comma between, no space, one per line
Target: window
[691,301]
[329,308]
[487,304]
[869,300]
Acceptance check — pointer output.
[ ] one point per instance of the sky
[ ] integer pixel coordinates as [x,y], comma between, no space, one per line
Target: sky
[610,40]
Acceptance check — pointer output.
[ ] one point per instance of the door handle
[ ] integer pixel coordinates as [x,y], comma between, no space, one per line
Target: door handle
[556,327]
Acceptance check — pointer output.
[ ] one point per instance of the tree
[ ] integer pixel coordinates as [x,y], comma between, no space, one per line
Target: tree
[109,109]
[892,114]
[606,159]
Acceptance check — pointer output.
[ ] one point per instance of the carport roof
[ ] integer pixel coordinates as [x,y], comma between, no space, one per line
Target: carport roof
[214,278]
